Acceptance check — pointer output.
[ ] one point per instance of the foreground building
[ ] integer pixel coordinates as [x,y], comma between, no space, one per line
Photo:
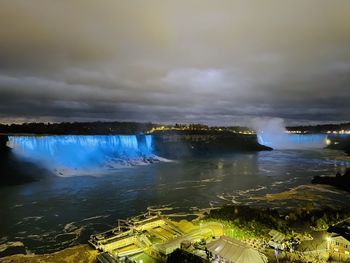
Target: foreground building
[229,250]
[277,239]
[339,244]
[135,235]
[339,239]
[152,234]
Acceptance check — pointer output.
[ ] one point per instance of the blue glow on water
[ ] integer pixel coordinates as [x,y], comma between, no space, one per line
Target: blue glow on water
[81,152]
[292,141]
[318,139]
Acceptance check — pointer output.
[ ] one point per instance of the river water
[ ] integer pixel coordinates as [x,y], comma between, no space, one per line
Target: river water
[57,212]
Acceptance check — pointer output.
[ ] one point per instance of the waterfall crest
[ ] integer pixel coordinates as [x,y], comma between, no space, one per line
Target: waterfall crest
[272,132]
[83,153]
[292,141]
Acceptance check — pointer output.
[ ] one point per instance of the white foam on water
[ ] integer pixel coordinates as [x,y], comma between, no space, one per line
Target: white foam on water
[74,155]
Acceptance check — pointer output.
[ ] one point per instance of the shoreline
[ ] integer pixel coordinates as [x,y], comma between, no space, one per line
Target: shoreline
[244,223]
[271,200]
[76,253]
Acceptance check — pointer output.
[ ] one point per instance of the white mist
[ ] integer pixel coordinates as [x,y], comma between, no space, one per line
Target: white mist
[272,132]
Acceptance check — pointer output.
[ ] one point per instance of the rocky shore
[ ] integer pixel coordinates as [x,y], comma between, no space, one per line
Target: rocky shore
[340,181]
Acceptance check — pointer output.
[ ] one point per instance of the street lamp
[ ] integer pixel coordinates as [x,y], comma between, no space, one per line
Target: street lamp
[329,240]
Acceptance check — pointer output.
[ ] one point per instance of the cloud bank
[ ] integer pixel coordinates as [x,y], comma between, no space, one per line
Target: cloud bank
[216,62]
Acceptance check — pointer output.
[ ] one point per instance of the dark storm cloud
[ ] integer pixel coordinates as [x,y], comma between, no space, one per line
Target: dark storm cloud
[217,62]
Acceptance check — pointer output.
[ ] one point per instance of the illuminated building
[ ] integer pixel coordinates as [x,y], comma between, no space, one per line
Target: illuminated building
[150,233]
[338,243]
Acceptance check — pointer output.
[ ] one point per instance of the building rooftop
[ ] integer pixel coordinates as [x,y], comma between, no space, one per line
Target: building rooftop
[341,230]
[234,250]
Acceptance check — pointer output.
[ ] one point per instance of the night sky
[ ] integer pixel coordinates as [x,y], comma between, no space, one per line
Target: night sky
[215,62]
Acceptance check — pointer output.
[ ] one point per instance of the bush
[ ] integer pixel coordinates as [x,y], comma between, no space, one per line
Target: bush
[181,256]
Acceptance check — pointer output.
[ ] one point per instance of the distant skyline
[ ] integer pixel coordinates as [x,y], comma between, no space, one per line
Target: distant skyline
[197,61]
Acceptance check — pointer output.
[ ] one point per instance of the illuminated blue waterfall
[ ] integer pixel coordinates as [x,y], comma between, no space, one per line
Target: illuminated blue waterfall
[83,152]
[292,141]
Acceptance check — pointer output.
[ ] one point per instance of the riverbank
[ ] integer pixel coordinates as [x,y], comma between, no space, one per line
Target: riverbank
[339,181]
[340,142]
[79,253]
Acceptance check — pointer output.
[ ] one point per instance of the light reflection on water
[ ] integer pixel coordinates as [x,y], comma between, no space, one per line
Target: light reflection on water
[37,213]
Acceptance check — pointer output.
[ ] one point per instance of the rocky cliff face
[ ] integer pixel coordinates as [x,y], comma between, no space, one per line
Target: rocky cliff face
[182,145]
[340,142]
[12,170]
[3,142]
